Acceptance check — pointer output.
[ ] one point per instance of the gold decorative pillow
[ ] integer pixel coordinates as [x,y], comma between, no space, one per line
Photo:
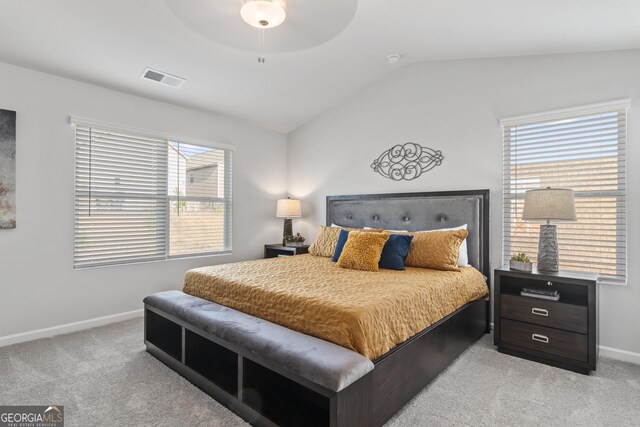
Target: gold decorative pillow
[326,241]
[437,250]
[362,250]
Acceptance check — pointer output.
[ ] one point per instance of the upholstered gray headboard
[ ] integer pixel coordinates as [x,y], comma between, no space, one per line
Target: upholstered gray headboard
[420,211]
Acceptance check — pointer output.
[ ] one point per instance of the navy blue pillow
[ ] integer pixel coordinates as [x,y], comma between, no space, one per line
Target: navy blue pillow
[342,239]
[395,251]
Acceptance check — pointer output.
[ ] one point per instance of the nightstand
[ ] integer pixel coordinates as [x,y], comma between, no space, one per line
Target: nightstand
[277,249]
[561,333]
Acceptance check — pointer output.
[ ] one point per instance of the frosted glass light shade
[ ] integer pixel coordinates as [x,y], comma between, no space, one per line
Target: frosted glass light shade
[288,208]
[263,13]
[549,204]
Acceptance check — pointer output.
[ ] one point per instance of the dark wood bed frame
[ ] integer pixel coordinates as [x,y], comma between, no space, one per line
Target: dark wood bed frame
[265,394]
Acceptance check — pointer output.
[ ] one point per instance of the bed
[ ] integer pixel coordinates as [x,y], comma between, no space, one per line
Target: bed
[367,312]
[269,387]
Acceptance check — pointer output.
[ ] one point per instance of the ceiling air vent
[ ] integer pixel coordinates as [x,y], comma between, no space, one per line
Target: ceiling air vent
[160,77]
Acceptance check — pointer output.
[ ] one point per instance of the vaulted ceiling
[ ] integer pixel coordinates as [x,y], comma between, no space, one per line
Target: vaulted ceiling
[344,45]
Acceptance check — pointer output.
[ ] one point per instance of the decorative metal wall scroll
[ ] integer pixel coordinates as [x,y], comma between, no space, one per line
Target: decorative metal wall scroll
[407,161]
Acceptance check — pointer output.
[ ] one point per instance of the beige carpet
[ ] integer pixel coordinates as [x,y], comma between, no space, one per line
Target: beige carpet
[104,377]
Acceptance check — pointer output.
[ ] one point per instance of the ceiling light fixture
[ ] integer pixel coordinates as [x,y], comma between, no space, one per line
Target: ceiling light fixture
[263,14]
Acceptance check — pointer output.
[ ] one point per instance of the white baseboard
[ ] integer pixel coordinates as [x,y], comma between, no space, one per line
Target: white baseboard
[615,353]
[68,327]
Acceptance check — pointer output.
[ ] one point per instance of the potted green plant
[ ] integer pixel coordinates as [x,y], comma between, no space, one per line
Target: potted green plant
[297,240]
[521,262]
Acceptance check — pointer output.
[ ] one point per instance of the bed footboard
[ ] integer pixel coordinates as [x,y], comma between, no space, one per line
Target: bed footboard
[273,376]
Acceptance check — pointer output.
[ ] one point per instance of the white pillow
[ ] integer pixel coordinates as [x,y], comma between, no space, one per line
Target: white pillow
[463,255]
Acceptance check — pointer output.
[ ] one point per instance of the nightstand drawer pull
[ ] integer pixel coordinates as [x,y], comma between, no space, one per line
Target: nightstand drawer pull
[549,283]
[540,311]
[541,338]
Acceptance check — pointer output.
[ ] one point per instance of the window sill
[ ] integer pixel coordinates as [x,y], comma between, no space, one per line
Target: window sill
[172,258]
[616,283]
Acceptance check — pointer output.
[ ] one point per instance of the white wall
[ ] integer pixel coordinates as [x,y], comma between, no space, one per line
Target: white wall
[455,106]
[38,286]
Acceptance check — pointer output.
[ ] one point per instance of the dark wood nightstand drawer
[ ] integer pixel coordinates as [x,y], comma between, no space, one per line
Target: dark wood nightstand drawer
[546,313]
[553,341]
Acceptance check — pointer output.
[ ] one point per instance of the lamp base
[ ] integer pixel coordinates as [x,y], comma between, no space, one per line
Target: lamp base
[287,230]
[548,259]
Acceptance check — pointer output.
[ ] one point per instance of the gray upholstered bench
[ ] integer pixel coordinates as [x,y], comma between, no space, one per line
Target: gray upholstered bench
[268,374]
[319,361]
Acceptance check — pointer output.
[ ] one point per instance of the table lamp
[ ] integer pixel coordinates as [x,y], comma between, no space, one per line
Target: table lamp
[288,208]
[549,204]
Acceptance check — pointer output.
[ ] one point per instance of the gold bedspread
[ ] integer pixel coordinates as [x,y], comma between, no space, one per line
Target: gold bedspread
[367,312]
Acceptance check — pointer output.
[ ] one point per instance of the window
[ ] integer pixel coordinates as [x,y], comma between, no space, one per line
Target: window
[142,198]
[582,149]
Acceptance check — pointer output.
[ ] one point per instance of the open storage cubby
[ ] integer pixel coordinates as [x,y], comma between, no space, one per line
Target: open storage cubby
[569,294]
[283,401]
[213,361]
[164,334]
[271,395]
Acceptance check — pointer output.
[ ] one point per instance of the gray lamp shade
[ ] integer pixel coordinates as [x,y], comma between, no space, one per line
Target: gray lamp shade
[549,204]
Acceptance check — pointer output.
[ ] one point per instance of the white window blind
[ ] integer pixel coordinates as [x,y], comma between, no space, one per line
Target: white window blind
[584,151]
[141,198]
